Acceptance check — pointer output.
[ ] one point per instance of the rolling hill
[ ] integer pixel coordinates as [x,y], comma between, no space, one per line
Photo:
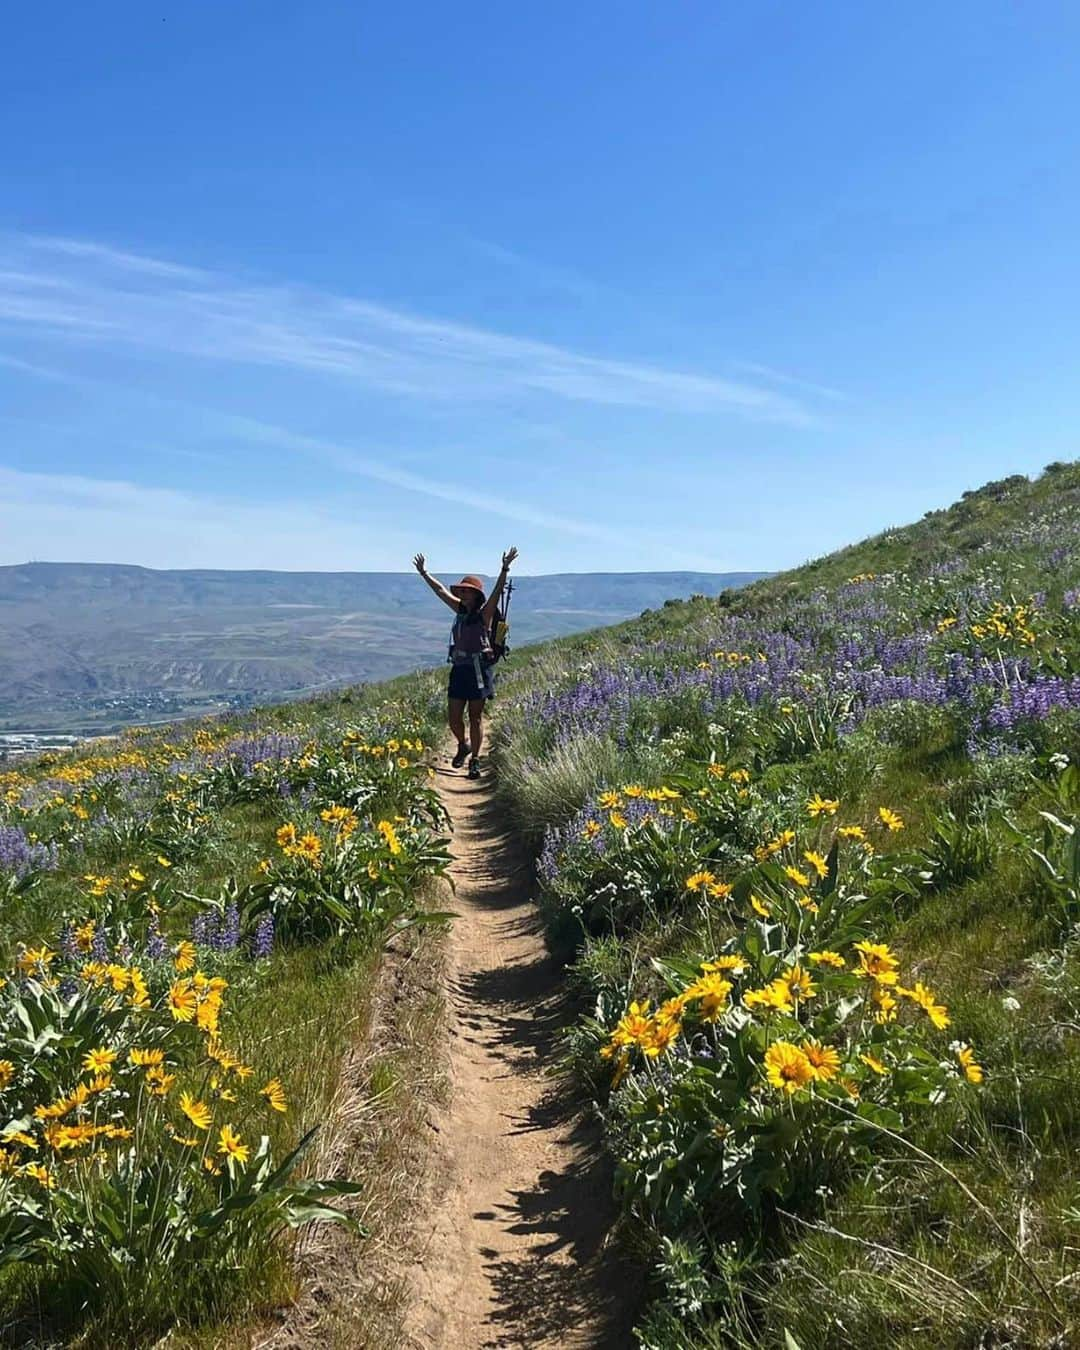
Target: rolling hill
[88,646]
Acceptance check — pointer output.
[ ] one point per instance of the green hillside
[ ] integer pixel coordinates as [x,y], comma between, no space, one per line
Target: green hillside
[812,849]
[810,854]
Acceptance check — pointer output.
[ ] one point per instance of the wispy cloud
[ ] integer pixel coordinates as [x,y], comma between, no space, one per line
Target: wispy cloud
[349,460]
[795,381]
[72,518]
[91,293]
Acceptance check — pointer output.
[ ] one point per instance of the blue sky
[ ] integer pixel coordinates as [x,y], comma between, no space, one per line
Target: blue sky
[633,286]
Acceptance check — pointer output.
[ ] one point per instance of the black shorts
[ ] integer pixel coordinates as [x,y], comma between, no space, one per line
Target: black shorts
[463,683]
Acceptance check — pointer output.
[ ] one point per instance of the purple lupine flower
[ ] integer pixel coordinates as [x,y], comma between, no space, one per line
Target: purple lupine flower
[99,947]
[230,929]
[263,939]
[155,943]
[67,942]
[19,856]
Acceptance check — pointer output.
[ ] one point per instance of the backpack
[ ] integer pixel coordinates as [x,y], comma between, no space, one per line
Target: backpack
[471,635]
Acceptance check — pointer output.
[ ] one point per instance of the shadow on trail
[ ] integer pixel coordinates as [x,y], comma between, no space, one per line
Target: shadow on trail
[544,1300]
[566,1279]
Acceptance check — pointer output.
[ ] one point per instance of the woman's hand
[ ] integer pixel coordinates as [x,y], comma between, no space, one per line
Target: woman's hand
[419,562]
[508,557]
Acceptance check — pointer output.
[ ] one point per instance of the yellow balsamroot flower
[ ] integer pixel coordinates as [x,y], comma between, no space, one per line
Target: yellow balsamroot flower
[146,1059]
[824,1060]
[949,621]
[134,877]
[78,1096]
[617,820]
[716,770]
[84,936]
[775,997]
[286,836]
[20,1137]
[872,1062]
[798,982]
[973,1071]
[632,1028]
[817,862]
[884,1004]
[739,775]
[711,991]
[7,1073]
[163,861]
[827,958]
[890,819]
[34,958]
[389,835]
[182,1001]
[608,801]
[663,1034]
[799,878]
[734,964]
[184,956]
[140,995]
[98,885]
[937,1012]
[759,906]
[876,962]
[591,830]
[822,806]
[40,1174]
[633,790]
[787,1068]
[99,1061]
[309,847]
[231,1146]
[851,832]
[197,1112]
[275,1095]
[698,881]
[119,976]
[158,1082]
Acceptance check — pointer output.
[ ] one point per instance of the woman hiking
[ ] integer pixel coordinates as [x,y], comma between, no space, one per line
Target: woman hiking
[471,654]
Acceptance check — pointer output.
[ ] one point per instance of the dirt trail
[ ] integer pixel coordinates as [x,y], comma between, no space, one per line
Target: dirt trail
[516,1254]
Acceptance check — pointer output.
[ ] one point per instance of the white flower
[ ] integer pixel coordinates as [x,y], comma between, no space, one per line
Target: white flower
[1010,1004]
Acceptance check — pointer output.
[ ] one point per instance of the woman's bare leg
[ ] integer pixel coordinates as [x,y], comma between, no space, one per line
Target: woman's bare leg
[476,726]
[456,718]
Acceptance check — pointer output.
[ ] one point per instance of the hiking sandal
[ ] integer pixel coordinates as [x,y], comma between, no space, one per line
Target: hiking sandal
[461,756]
[474,768]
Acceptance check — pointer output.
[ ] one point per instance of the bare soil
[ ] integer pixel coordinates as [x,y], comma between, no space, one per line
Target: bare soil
[514,1244]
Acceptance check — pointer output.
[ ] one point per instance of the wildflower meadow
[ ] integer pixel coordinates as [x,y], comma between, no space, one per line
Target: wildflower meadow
[191,924]
[811,850]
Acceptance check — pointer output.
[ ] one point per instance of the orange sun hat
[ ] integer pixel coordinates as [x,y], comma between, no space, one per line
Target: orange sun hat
[469,583]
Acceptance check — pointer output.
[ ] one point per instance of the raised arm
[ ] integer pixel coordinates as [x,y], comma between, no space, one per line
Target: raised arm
[497,590]
[435,584]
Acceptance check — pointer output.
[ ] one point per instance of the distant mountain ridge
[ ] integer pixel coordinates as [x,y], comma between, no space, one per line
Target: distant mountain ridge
[91,645]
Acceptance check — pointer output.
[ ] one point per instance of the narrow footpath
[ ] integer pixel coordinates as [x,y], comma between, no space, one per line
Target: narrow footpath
[515,1249]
